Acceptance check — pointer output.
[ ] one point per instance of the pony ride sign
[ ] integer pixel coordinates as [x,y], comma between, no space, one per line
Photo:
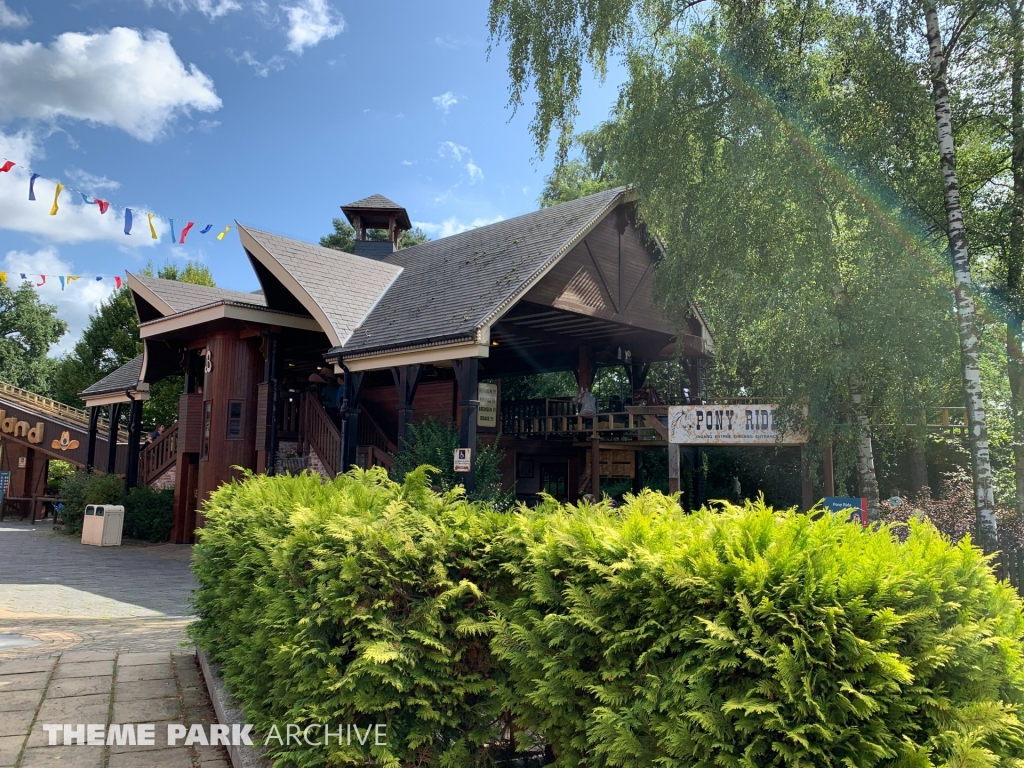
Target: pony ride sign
[746,424]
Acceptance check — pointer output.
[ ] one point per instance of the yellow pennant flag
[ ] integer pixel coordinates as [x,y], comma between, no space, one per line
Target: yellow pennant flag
[53,210]
[3,278]
[72,278]
[221,235]
[152,229]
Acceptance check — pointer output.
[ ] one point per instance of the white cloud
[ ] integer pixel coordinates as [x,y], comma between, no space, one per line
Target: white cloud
[74,221]
[310,22]
[88,182]
[453,226]
[449,149]
[408,162]
[120,78]
[9,18]
[445,101]
[212,9]
[454,42]
[74,303]
[273,64]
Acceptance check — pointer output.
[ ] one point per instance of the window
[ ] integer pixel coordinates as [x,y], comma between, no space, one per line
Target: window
[206,428]
[554,480]
[234,419]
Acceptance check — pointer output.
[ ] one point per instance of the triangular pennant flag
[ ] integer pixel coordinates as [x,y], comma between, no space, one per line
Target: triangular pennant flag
[6,166]
[103,204]
[32,186]
[3,278]
[61,278]
[72,278]
[127,221]
[54,209]
[117,282]
[86,200]
[152,229]
[23,276]
[206,229]
[184,232]
[43,281]
[221,235]
[174,236]
[98,278]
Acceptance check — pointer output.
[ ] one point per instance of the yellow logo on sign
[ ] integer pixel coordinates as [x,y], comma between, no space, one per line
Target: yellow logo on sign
[65,443]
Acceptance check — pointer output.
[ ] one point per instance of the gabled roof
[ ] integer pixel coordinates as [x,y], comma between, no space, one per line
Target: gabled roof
[377,203]
[117,381]
[450,288]
[338,289]
[170,297]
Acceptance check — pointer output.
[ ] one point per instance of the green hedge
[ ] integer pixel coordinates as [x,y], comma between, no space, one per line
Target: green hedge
[148,514]
[638,636]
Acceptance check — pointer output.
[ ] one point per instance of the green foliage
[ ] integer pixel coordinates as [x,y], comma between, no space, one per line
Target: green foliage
[28,328]
[79,489]
[356,601]
[432,442]
[617,637]
[344,236]
[57,470]
[148,513]
[747,637]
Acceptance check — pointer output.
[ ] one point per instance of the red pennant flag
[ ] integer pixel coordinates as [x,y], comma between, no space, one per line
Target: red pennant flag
[117,281]
[103,204]
[185,232]
[42,283]
[6,166]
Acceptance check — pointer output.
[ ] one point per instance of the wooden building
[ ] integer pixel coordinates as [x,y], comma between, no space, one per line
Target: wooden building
[428,330]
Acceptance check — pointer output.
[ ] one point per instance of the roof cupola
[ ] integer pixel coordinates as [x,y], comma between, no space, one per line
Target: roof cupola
[376,212]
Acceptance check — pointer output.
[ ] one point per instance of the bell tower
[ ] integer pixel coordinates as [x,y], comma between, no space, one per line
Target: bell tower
[376,212]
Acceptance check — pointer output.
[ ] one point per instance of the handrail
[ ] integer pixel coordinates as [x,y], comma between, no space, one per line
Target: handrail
[370,433]
[321,434]
[159,456]
[75,416]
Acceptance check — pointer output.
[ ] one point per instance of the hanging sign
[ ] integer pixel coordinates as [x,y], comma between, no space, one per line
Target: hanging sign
[462,460]
[747,424]
[487,411]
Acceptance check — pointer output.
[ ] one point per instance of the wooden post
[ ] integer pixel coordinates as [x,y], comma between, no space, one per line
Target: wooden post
[467,372]
[407,379]
[354,381]
[829,472]
[585,369]
[595,464]
[131,470]
[115,416]
[806,487]
[698,477]
[673,468]
[90,451]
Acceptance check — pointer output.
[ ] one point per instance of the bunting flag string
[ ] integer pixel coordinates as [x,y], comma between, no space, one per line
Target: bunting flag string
[116,281]
[177,237]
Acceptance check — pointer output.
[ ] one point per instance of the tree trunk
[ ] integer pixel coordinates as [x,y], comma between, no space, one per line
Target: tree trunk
[984,501]
[1015,246]
[866,479]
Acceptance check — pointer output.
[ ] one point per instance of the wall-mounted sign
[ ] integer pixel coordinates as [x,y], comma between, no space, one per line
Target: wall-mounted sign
[747,424]
[5,482]
[855,509]
[487,412]
[22,462]
[11,426]
[462,460]
[65,443]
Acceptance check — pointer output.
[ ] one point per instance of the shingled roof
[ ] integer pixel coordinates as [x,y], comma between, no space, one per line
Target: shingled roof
[181,297]
[125,377]
[449,288]
[338,289]
[377,203]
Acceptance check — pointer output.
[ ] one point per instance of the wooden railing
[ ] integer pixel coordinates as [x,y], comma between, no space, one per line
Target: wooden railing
[159,456]
[290,416]
[371,456]
[44,405]
[320,434]
[370,433]
[558,418]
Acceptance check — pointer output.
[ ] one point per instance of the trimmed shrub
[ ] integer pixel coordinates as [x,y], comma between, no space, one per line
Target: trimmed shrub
[79,489]
[148,514]
[637,636]
[354,601]
[748,637]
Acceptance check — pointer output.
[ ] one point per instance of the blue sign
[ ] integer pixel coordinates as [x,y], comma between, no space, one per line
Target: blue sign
[5,481]
[856,508]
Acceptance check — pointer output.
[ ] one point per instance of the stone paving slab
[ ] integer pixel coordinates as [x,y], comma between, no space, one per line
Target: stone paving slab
[111,648]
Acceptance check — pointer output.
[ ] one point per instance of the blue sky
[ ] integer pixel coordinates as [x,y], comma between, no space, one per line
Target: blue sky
[273,113]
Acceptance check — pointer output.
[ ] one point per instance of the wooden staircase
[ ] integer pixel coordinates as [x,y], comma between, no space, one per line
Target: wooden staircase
[319,435]
[159,456]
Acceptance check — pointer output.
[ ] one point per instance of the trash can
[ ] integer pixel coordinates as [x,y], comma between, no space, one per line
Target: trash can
[101,525]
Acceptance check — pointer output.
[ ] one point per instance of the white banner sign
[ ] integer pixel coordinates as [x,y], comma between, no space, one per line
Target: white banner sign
[747,424]
[487,411]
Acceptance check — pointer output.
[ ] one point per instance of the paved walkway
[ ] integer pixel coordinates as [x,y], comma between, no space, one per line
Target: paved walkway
[92,635]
